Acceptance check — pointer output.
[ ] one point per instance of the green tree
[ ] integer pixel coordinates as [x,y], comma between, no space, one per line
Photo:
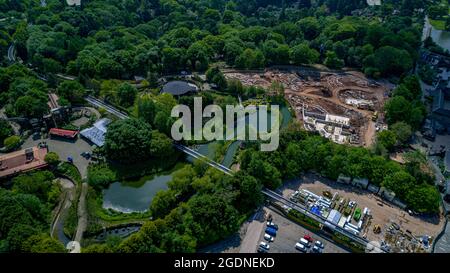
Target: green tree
[73,91]
[126,94]
[5,130]
[402,130]
[424,199]
[38,184]
[100,176]
[303,54]
[400,182]
[11,142]
[332,60]
[250,59]
[387,138]
[52,159]
[43,244]
[128,141]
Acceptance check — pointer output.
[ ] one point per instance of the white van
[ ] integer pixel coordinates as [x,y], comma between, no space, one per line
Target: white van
[300,247]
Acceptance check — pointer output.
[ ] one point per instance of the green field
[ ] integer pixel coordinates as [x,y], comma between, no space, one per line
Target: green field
[438,24]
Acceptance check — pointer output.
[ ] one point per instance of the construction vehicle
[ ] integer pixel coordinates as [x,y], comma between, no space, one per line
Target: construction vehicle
[375,116]
[376,229]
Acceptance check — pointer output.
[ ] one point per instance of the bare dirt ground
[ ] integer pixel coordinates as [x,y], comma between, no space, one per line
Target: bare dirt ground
[326,92]
[383,213]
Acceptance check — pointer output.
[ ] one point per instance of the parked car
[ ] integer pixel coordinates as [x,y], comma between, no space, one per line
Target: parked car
[262,250]
[264,245]
[308,238]
[319,244]
[268,237]
[271,231]
[316,249]
[86,155]
[304,242]
[272,225]
[300,247]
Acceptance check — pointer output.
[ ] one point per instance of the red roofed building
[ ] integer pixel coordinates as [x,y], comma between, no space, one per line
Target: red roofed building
[21,161]
[63,133]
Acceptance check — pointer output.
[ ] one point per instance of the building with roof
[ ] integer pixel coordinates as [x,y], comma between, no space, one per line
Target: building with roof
[96,133]
[70,134]
[334,216]
[179,88]
[21,161]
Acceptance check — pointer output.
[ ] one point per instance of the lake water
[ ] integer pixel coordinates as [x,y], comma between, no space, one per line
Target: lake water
[209,149]
[440,37]
[134,196]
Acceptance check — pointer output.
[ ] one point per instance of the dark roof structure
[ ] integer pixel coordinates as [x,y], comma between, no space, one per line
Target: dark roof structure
[178,88]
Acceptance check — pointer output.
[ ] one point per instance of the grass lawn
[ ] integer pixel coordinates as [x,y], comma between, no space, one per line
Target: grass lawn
[438,24]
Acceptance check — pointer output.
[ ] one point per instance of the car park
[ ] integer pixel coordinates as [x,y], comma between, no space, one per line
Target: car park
[300,247]
[268,238]
[264,245]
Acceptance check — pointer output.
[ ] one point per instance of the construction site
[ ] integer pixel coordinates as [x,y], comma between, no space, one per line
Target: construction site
[344,107]
[365,214]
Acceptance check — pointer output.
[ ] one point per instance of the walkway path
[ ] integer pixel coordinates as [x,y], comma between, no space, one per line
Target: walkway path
[82,213]
[68,192]
[442,245]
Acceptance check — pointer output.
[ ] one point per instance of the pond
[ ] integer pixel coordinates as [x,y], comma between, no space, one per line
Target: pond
[136,196]
[209,149]
[440,37]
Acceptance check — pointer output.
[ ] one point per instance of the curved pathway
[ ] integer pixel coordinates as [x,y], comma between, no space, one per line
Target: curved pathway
[69,194]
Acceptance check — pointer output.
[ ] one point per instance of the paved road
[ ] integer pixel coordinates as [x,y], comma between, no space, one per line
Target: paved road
[254,229]
[443,244]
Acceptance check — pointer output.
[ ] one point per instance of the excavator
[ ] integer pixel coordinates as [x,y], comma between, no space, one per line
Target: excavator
[376,229]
